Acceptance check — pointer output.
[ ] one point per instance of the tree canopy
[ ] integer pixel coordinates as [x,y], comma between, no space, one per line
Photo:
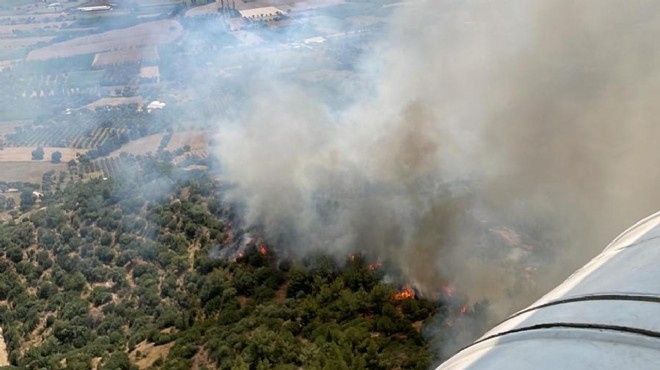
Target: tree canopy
[111,271]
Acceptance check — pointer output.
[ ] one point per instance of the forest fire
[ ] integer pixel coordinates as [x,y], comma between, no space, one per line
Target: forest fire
[374,266]
[406,293]
[449,291]
[464,309]
[262,250]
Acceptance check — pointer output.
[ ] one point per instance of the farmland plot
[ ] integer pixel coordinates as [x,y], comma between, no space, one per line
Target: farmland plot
[142,35]
[85,129]
[136,55]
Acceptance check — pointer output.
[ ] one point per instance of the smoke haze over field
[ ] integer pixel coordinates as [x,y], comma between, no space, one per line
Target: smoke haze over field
[536,115]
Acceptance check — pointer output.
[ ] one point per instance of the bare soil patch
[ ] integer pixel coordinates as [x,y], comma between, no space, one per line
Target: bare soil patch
[4,359]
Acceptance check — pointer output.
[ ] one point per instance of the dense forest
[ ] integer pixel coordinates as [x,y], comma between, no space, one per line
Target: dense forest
[128,272]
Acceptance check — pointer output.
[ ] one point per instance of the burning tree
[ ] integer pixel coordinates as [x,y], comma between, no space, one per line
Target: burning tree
[406,293]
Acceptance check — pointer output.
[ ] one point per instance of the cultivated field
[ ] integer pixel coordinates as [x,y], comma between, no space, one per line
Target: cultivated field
[149,53]
[145,34]
[115,101]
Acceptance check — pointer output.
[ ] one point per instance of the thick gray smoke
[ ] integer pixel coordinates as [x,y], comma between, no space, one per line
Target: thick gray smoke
[529,120]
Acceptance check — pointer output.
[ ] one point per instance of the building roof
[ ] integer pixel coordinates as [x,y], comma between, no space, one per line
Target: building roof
[149,72]
[95,4]
[156,105]
[267,11]
[604,316]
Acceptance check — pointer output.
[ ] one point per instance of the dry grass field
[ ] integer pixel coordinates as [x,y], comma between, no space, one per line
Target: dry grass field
[21,154]
[145,34]
[196,139]
[27,171]
[140,146]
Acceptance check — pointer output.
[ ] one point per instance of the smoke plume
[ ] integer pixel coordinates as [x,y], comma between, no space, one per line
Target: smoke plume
[482,140]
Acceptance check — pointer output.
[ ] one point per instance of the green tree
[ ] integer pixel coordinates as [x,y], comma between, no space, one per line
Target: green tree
[56,157]
[38,154]
[27,199]
[117,361]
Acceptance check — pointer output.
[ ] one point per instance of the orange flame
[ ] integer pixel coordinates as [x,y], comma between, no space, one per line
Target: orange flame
[464,309]
[406,293]
[241,255]
[262,250]
[449,291]
[374,266]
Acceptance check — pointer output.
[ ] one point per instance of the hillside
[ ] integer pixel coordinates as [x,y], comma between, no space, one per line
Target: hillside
[126,273]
